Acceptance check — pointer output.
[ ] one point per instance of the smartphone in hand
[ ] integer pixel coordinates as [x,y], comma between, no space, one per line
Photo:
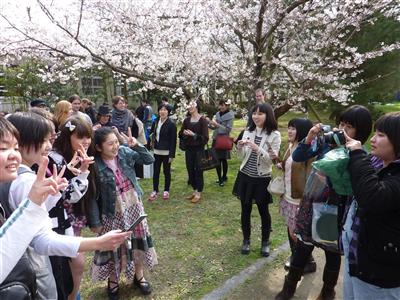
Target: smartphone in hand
[136,222]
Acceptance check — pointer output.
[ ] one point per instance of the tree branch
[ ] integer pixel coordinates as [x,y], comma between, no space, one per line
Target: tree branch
[282,16]
[80,19]
[259,24]
[40,42]
[299,87]
[113,67]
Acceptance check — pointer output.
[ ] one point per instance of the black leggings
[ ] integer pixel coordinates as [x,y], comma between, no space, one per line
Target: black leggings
[263,209]
[196,179]
[302,254]
[158,160]
[224,164]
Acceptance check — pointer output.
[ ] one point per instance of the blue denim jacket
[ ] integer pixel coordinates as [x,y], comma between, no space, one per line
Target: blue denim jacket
[105,204]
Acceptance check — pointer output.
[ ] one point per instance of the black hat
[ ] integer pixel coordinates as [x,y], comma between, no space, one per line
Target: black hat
[104,110]
[38,103]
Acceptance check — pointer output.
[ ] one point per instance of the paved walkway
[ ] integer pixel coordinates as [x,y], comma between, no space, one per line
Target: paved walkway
[264,279]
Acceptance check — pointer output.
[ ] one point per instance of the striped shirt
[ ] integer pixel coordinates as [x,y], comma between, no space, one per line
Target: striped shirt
[250,168]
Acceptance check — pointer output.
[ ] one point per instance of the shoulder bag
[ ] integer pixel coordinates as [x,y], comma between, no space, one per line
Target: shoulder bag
[223,142]
[277,186]
[207,159]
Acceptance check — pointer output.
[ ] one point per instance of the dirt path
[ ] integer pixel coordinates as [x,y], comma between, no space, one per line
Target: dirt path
[268,281]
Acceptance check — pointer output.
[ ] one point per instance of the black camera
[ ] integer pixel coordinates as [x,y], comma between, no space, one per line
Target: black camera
[333,137]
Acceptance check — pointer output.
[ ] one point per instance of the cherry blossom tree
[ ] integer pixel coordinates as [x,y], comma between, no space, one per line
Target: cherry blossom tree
[296,50]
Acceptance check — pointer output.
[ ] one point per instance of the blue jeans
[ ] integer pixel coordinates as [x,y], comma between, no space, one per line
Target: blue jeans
[354,288]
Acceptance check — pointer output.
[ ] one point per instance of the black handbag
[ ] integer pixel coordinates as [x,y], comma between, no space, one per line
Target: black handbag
[182,143]
[207,159]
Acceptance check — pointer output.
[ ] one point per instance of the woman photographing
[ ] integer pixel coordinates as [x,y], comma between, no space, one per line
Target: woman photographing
[371,234]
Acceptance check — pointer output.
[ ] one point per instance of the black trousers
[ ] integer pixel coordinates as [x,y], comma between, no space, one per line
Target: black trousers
[222,166]
[196,179]
[263,209]
[158,160]
[302,254]
[139,170]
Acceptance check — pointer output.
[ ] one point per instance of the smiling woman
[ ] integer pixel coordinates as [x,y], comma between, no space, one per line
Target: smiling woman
[10,157]
[35,144]
[258,148]
[35,133]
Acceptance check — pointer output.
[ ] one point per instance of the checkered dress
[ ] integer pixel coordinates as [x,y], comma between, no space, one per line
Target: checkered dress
[140,250]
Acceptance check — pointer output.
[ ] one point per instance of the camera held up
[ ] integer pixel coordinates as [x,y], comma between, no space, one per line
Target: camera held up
[331,137]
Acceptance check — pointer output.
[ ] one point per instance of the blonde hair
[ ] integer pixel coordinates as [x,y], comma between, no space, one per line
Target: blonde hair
[61,112]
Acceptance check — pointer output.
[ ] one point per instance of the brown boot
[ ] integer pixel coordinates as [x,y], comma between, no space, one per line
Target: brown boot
[290,284]
[196,198]
[190,197]
[328,289]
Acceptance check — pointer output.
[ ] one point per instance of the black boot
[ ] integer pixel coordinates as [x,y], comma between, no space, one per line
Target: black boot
[245,247]
[330,279]
[290,284]
[311,265]
[292,245]
[265,233]
[265,248]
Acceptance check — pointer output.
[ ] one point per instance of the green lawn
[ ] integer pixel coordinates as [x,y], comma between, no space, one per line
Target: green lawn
[388,107]
[198,245]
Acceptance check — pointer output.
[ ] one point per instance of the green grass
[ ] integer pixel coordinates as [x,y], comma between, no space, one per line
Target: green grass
[388,107]
[198,246]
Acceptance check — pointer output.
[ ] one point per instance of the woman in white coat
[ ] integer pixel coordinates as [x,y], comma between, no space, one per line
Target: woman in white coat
[259,144]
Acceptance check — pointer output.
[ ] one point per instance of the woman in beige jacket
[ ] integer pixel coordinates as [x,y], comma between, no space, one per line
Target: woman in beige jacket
[260,141]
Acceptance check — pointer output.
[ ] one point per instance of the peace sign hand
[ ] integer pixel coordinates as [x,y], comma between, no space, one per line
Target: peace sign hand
[71,165]
[43,187]
[62,182]
[130,140]
[84,159]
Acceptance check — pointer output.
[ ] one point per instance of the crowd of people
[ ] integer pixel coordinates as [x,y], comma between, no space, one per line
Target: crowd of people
[80,167]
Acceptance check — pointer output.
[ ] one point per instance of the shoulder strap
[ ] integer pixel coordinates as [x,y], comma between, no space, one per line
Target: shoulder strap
[4,191]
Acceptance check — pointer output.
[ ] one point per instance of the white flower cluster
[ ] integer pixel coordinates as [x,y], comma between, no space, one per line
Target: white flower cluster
[297,51]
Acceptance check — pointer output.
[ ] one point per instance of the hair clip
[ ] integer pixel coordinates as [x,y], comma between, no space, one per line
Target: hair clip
[70,126]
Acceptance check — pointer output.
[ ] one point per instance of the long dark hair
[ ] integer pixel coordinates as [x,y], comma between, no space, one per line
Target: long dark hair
[360,118]
[100,136]
[63,146]
[63,142]
[270,123]
[302,126]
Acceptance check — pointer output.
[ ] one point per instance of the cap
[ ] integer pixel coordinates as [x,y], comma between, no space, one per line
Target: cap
[104,110]
[38,103]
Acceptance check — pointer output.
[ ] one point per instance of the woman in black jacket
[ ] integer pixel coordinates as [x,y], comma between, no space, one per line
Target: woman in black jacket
[194,136]
[371,234]
[164,144]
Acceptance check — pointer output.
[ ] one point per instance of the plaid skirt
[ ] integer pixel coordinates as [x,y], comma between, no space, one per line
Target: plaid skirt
[289,211]
[138,250]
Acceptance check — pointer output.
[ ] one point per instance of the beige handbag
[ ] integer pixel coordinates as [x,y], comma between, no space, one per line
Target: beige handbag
[277,186]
